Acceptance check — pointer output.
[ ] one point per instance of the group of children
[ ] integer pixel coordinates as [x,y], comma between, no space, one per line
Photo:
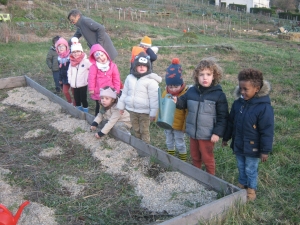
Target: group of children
[201,109]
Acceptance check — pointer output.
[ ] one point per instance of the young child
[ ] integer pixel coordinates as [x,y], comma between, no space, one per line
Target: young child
[176,87]
[109,115]
[52,63]
[140,96]
[144,46]
[207,113]
[63,51]
[78,74]
[103,72]
[251,127]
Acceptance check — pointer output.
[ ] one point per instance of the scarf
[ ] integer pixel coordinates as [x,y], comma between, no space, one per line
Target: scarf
[103,67]
[176,93]
[75,62]
[63,58]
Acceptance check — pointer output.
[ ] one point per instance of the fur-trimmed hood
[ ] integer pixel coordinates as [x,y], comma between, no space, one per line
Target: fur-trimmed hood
[265,90]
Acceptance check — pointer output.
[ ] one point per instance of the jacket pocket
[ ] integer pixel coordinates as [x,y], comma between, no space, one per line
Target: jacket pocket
[251,146]
[209,107]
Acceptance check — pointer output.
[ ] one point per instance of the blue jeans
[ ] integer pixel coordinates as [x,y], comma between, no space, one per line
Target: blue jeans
[56,80]
[175,138]
[248,171]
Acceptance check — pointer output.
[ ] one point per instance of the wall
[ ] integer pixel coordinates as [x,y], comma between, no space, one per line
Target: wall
[249,3]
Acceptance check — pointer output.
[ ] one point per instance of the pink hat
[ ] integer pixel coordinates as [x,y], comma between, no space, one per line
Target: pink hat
[108,92]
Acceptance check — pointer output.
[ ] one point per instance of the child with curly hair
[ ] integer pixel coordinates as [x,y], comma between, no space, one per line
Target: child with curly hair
[207,113]
[251,127]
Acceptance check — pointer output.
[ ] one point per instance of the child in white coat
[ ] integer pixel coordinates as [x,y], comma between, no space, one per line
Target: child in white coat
[140,96]
[78,74]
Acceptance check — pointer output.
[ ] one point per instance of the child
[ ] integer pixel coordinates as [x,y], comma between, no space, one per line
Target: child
[52,63]
[140,96]
[144,46]
[103,72]
[109,115]
[63,51]
[251,127]
[207,113]
[176,87]
[78,74]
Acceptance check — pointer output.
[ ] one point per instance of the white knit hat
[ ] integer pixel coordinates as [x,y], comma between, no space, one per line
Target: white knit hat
[76,46]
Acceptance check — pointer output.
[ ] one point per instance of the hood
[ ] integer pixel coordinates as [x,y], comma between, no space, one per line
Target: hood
[94,48]
[154,76]
[62,41]
[265,90]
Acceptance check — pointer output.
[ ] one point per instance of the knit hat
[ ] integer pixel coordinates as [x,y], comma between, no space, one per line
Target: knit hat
[76,46]
[108,92]
[174,73]
[146,41]
[141,59]
[154,49]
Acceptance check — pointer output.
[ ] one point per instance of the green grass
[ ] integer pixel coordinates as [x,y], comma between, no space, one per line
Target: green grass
[278,194]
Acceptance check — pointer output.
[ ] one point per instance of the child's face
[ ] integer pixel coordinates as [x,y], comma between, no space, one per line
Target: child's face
[141,69]
[174,88]
[76,54]
[205,77]
[100,57]
[61,48]
[247,89]
[106,101]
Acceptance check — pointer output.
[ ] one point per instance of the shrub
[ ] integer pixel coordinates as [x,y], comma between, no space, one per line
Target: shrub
[3,2]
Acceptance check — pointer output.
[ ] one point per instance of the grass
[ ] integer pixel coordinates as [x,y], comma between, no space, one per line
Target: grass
[278,194]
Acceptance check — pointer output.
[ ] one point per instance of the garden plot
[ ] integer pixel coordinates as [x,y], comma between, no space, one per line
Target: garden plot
[167,191]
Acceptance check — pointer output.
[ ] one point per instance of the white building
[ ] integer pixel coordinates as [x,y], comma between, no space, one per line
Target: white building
[248,3]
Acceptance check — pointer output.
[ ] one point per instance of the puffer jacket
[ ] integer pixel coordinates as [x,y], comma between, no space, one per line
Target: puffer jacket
[180,114]
[251,124]
[207,112]
[78,75]
[140,95]
[51,59]
[98,79]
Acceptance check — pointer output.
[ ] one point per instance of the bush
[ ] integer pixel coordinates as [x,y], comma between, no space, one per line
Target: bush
[289,16]
[263,11]
[3,2]
[238,7]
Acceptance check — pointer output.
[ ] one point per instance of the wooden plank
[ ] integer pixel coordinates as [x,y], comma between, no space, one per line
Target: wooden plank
[206,212]
[54,98]
[12,82]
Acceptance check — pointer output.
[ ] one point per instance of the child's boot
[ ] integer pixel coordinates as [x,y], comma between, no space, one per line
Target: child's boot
[241,186]
[171,152]
[251,195]
[86,110]
[80,108]
[183,156]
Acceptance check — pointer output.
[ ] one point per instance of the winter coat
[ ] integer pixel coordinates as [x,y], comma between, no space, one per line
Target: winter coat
[63,72]
[94,33]
[113,116]
[51,59]
[251,124]
[140,95]
[180,114]
[207,112]
[78,75]
[98,79]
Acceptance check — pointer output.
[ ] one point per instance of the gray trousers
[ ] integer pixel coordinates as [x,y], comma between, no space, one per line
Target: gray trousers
[175,138]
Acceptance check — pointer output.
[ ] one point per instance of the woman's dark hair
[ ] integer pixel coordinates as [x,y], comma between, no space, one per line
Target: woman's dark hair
[253,75]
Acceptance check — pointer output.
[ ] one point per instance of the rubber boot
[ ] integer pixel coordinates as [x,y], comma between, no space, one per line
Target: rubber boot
[171,152]
[80,108]
[251,195]
[86,110]
[183,156]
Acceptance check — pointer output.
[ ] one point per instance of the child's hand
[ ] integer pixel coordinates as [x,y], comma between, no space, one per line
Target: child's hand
[174,99]
[224,143]
[264,157]
[91,92]
[97,136]
[214,138]
[152,118]
[121,112]
[93,128]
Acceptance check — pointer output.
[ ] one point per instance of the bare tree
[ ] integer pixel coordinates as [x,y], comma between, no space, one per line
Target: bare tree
[286,4]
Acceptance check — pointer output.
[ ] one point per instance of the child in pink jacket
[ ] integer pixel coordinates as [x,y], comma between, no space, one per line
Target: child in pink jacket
[103,72]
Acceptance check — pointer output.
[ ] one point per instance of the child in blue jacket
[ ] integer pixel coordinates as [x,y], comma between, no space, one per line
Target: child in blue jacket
[251,127]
